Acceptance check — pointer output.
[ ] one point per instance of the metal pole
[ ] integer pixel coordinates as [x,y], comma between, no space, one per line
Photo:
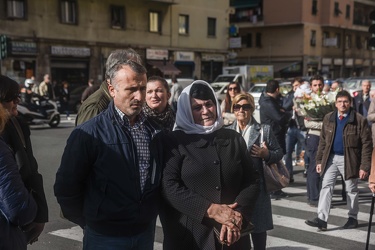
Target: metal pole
[370,221]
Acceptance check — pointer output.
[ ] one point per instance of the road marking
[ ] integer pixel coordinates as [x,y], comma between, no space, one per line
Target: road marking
[280,243]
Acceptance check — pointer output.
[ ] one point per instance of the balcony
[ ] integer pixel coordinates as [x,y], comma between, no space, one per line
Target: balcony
[165,1]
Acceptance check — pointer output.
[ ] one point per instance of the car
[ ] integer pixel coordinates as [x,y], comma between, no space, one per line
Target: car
[354,84]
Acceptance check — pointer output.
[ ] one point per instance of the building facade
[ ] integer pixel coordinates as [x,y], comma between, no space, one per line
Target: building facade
[71,39]
[304,37]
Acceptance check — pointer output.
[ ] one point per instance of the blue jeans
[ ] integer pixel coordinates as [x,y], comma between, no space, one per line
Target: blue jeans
[293,136]
[95,241]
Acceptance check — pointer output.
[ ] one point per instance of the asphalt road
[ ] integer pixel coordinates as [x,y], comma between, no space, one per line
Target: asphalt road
[290,231]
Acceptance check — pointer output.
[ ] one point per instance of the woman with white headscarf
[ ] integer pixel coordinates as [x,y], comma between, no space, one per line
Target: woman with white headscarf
[208,180]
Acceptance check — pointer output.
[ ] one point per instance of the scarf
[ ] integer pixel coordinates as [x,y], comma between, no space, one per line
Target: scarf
[165,119]
[184,116]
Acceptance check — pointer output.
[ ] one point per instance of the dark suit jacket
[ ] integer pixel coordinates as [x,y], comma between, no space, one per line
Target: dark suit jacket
[358,103]
[201,170]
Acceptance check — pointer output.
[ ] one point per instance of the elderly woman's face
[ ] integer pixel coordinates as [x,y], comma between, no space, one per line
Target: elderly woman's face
[242,111]
[204,111]
[157,96]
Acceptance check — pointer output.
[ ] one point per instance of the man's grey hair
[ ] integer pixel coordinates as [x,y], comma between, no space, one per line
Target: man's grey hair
[121,55]
[112,72]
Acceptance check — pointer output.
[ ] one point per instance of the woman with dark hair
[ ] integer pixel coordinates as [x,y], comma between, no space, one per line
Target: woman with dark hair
[232,90]
[243,107]
[156,106]
[208,180]
[17,135]
[17,206]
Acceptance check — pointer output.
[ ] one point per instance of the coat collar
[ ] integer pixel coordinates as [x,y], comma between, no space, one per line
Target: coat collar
[334,115]
[254,131]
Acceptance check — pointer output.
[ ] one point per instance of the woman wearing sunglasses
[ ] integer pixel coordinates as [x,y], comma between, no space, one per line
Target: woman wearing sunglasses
[232,90]
[270,151]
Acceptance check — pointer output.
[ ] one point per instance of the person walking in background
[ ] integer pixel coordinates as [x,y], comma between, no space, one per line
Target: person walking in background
[156,106]
[99,100]
[208,179]
[45,88]
[243,107]
[312,142]
[273,114]
[345,148]
[64,98]
[295,136]
[89,90]
[362,100]
[107,182]
[18,209]
[175,93]
[16,135]
[233,89]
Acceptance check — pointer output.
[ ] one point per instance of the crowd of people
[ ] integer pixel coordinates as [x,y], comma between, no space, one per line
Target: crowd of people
[141,149]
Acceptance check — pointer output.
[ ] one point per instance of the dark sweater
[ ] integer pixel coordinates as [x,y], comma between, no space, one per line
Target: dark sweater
[338,144]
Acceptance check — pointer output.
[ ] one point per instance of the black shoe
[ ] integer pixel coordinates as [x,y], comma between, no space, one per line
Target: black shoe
[291,180]
[351,223]
[274,196]
[305,173]
[316,222]
[281,194]
[313,203]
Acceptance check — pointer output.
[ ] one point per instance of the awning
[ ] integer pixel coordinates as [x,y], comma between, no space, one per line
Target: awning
[287,66]
[167,68]
[244,3]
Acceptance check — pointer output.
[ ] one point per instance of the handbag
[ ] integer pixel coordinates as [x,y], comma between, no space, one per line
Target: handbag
[276,175]
[244,231]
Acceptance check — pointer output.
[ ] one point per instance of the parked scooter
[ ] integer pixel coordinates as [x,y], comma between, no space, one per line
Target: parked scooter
[38,110]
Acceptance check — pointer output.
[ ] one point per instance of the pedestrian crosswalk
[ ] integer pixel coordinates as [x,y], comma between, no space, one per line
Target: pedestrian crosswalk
[290,230]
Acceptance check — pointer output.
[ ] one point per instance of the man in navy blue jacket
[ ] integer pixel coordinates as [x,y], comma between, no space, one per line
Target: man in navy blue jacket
[108,180]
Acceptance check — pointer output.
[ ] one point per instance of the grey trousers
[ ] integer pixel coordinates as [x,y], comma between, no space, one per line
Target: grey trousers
[335,165]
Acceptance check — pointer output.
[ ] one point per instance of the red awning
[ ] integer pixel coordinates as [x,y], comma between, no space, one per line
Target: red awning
[167,69]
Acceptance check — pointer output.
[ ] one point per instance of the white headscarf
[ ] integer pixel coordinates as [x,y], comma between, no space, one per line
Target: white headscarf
[184,116]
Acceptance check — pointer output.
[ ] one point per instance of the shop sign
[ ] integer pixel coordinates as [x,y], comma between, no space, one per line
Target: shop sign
[184,56]
[235,42]
[18,47]
[326,61]
[337,61]
[213,57]
[156,54]
[70,51]
[349,62]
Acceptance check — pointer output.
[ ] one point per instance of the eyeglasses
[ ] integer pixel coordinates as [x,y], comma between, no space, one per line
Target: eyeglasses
[232,89]
[245,107]
[11,98]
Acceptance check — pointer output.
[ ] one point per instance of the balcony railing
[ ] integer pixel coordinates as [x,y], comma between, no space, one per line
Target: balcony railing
[166,1]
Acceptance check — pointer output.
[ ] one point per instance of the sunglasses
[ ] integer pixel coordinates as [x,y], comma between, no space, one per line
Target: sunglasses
[245,107]
[10,98]
[232,89]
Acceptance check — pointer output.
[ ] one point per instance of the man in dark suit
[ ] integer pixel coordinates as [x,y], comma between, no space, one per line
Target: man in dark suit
[362,100]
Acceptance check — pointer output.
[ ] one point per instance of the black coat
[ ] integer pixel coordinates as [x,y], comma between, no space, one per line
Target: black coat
[28,165]
[359,104]
[200,170]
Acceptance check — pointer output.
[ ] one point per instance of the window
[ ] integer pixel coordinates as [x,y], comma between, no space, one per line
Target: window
[258,40]
[325,38]
[16,9]
[183,24]
[211,26]
[348,41]
[117,17]
[338,40]
[336,10]
[347,12]
[313,38]
[155,23]
[314,9]
[247,40]
[358,42]
[68,11]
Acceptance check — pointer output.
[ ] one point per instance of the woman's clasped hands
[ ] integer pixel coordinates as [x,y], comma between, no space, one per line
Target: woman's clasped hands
[230,220]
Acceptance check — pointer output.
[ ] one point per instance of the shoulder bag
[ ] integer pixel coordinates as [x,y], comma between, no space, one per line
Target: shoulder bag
[276,175]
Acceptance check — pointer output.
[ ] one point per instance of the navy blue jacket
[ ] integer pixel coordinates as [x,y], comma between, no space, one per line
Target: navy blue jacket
[17,206]
[98,181]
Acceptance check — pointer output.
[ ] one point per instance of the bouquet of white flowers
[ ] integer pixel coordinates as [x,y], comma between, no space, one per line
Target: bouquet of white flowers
[316,106]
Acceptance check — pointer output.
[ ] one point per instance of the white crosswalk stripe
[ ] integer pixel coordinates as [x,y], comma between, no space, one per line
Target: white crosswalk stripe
[290,215]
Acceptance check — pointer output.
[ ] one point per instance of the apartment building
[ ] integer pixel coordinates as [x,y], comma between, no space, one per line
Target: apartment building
[304,37]
[72,39]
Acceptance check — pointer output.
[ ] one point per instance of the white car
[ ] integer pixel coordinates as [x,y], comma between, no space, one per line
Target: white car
[220,90]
